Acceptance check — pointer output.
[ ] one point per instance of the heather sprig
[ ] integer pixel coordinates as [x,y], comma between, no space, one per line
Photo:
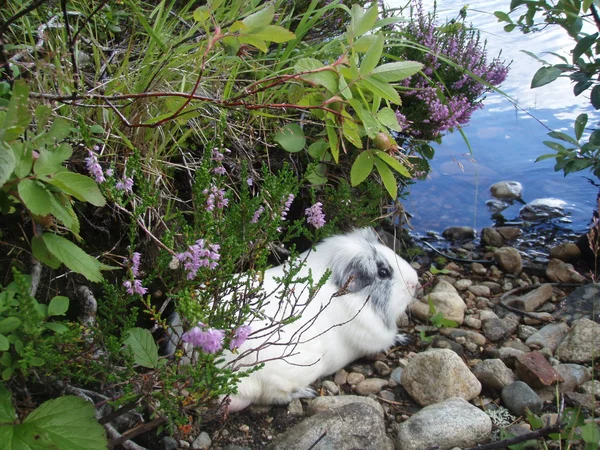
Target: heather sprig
[315,215]
[93,166]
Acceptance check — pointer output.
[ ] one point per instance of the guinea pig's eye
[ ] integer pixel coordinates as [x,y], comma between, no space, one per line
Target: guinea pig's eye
[383,272]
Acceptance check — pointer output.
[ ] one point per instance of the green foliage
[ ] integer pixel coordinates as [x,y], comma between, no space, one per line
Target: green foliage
[66,422]
[583,68]
[23,324]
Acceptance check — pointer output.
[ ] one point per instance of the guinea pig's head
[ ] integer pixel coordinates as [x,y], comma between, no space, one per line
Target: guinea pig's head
[360,264]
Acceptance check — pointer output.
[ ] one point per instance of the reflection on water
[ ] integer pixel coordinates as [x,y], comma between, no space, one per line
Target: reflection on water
[505,140]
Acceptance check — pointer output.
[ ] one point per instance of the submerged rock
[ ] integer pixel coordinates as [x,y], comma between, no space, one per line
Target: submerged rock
[543,209]
[459,233]
[506,190]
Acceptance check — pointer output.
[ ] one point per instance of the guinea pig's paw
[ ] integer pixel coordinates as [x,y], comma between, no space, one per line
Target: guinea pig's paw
[304,393]
[403,339]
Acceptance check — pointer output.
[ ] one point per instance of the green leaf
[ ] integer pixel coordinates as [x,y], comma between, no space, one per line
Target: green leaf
[325,78]
[201,14]
[554,146]
[58,306]
[50,161]
[60,129]
[363,44]
[361,168]
[595,96]
[387,117]
[35,196]
[7,410]
[590,433]
[382,89]
[595,137]
[396,71]
[4,343]
[370,123]
[318,149]
[56,327]
[73,257]
[261,18]
[7,162]
[583,45]
[502,17]
[332,136]
[545,75]
[42,254]
[9,324]
[60,207]
[362,21]
[42,114]
[67,422]
[563,137]
[81,187]
[145,350]
[18,117]
[273,33]
[387,177]
[392,162]
[97,129]
[580,124]
[343,88]
[24,157]
[291,138]
[255,42]
[372,57]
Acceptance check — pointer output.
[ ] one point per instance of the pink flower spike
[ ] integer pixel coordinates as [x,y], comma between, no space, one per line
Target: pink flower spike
[240,336]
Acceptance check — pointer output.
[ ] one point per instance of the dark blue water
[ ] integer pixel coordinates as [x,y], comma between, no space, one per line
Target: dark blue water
[505,139]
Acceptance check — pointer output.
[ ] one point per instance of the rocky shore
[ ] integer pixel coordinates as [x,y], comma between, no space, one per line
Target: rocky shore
[524,336]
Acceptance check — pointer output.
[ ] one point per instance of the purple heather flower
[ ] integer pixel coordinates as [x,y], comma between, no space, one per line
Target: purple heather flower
[215,194]
[240,336]
[249,181]
[94,168]
[135,287]
[125,184]
[315,216]
[286,206]
[219,170]
[257,214]
[198,255]
[135,264]
[210,340]
[109,172]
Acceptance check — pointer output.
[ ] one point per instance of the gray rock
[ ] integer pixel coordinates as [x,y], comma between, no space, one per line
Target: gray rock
[442,342]
[354,378]
[509,233]
[331,386]
[356,425]
[495,288]
[170,443]
[381,368]
[562,272]
[472,336]
[320,404]
[370,386]
[364,369]
[543,209]
[202,442]
[453,423]
[509,260]
[295,408]
[582,342]
[493,374]
[462,284]
[496,206]
[478,269]
[459,233]
[508,355]
[581,303]
[506,190]
[499,329]
[340,377]
[591,387]
[574,375]
[532,300]
[518,397]
[472,322]
[479,290]
[445,299]
[548,337]
[491,238]
[437,375]
[567,252]
[396,375]
[526,331]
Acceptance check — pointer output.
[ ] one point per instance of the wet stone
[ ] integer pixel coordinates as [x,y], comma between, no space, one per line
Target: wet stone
[562,272]
[491,238]
[543,209]
[506,190]
[509,260]
[459,233]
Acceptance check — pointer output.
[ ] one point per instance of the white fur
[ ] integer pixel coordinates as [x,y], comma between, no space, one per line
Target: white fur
[352,315]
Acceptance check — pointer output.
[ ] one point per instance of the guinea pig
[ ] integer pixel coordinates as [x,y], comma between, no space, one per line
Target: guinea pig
[352,315]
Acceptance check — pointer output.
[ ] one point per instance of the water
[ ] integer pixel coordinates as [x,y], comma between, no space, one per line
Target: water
[505,140]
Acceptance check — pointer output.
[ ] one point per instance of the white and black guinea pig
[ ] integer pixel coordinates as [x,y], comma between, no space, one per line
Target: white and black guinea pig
[352,315]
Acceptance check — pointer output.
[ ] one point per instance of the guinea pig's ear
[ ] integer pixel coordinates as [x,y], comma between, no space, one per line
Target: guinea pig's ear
[351,276]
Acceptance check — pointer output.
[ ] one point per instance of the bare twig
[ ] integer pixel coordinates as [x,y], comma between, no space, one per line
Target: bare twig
[71,45]
[130,434]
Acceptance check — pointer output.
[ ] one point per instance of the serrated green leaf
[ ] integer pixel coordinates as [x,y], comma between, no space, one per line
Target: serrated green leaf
[42,114]
[291,138]
[382,89]
[396,71]
[545,75]
[35,196]
[350,131]
[387,177]
[387,117]
[18,117]
[7,410]
[363,44]
[325,78]
[260,18]
[362,21]
[370,123]
[50,161]
[372,57]
[81,187]
[272,33]
[58,306]
[67,422]
[7,162]
[4,343]
[145,350]
[24,158]
[361,168]
[73,257]
[392,162]
[9,324]
[42,254]
[61,208]
[580,123]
